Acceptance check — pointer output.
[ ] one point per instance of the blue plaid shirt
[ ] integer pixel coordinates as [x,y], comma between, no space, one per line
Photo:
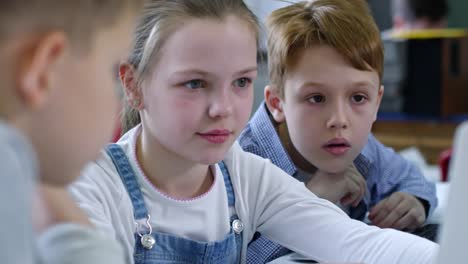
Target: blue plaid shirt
[384,170]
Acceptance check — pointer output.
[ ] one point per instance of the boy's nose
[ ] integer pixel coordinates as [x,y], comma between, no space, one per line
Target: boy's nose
[338,118]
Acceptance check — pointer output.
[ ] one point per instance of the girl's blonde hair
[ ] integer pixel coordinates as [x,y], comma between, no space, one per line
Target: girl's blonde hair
[159,20]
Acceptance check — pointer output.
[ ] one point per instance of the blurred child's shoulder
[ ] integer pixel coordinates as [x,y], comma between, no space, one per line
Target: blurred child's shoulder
[15,149]
[11,136]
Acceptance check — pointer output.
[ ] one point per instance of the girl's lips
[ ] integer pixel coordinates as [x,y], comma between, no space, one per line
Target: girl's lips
[217,136]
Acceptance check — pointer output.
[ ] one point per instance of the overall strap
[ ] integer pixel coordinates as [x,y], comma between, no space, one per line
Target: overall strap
[236,224]
[129,179]
[228,184]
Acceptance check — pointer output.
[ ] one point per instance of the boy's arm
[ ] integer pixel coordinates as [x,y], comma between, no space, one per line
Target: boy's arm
[399,182]
[345,188]
[400,210]
[292,216]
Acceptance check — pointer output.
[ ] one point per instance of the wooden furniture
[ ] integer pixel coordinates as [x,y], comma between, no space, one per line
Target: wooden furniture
[426,72]
[430,137]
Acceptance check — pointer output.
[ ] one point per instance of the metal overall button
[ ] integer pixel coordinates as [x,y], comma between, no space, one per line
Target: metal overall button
[237,226]
[147,240]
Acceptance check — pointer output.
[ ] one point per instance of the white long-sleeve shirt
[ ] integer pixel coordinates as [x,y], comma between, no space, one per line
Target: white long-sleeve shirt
[267,200]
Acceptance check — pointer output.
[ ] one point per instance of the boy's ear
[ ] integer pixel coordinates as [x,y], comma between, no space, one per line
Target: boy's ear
[274,103]
[379,99]
[128,78]
[36,67]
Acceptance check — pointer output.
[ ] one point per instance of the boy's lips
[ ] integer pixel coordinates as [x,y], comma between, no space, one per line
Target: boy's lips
[337,146]
[216,136]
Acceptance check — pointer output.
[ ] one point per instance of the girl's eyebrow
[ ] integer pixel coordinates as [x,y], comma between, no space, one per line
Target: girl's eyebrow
[248,70]
[192,71]
[205,73]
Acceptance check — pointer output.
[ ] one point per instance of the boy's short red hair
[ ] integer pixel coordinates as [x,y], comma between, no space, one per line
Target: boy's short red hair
[345,25]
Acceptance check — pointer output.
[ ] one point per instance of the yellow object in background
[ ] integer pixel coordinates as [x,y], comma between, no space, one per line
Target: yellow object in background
[428,33]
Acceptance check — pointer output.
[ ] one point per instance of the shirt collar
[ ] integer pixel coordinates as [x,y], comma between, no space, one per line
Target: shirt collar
[364,160]
[271,146]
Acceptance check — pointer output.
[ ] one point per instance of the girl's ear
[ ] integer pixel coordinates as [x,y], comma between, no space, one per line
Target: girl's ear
[36,68]
[127,75]
[274,103]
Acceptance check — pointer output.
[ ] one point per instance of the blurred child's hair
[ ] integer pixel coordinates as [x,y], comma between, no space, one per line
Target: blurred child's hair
[345,25]
[79,19]
[160,19]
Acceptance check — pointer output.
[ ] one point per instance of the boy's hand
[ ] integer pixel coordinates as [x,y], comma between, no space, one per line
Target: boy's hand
[400,211]
[347,188]
[53,205]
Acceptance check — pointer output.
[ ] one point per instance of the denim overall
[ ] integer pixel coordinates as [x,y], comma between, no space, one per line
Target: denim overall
[155,247]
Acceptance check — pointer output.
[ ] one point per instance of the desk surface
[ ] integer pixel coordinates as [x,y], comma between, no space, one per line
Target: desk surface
[296,258]
[291,258]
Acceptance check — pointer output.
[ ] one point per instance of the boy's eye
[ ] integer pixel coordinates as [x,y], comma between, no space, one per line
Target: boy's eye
[194,84]
[242,82]
[358,98]
[317,99]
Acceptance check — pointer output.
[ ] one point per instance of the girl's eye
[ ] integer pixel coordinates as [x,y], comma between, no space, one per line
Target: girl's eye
[358,98]
[317,99]
[194,84]
[242,82]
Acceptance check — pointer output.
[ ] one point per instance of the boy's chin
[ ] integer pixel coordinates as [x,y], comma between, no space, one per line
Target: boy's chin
[335,168]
